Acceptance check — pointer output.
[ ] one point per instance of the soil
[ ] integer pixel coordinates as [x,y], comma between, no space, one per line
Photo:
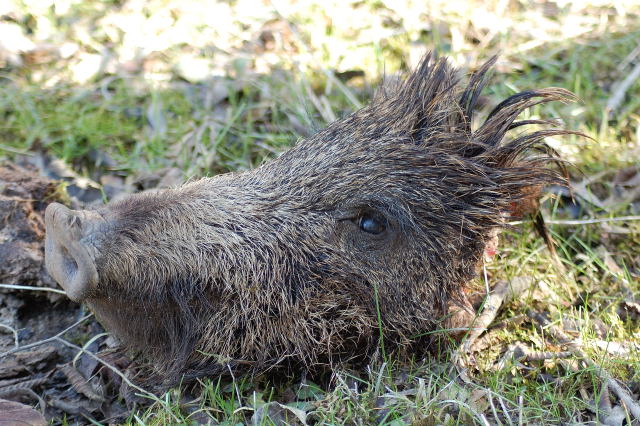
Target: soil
[36,368]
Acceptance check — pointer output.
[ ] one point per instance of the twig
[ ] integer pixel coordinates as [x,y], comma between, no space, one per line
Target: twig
[542,356]
[520,408]
[504,290]
[28,287]
[560,336]
[584,221]
[614,101]
[596,220]
[505,410]
[493,409]
[16,341]
[489,312]
[48,340]
[235,386]
[630,58]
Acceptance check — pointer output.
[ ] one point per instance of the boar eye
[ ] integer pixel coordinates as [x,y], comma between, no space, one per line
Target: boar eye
[372,224]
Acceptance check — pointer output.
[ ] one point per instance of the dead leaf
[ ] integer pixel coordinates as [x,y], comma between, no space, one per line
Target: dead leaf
[79,406]
[24,361]
[608,260]
[16,414]
[279,414]
[80,383]
[479,400]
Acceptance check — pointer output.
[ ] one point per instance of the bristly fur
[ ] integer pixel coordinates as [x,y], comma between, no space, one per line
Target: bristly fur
[271,267]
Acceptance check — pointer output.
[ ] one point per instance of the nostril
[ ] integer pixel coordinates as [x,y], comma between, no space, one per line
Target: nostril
[73,221]
[69,264]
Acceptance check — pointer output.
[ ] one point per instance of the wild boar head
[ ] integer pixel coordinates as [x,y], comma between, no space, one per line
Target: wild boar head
[356,238]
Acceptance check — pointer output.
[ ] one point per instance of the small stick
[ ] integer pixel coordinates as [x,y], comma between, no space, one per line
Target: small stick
[47,340]
[28,287]
[503,290]
[614,101]
[596,220]
[630,58]
[542,356]
[584,221]
[505,410]
[489,312]
[493,409]
[520,408]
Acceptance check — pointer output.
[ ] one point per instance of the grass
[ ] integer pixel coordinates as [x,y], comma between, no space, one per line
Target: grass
[128,124]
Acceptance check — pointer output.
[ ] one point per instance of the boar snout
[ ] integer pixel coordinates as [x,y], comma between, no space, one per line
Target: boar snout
[69,257]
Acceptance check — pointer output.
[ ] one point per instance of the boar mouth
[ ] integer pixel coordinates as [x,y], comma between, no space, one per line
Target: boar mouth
[69,257]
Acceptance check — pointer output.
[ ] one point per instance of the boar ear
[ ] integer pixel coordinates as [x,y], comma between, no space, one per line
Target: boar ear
[490,139]
[421,105]
[502,118]
[428,106]
[472,92]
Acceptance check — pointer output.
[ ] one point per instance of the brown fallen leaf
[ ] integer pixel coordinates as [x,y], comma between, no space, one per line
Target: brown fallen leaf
[16,414]
[25,361]
[279,414]
[80,383]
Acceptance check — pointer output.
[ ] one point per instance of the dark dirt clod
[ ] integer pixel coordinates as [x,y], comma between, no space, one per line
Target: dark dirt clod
[24,195]
[41,374]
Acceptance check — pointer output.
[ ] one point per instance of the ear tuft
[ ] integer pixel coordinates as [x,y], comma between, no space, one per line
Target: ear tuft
[422,105]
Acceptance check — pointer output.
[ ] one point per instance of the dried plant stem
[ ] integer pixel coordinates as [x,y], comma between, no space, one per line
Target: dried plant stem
[542,356]
[584,221]
[616,98]
[489,312]
[47,340]
[28,287]
[503,291]
[595,220]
